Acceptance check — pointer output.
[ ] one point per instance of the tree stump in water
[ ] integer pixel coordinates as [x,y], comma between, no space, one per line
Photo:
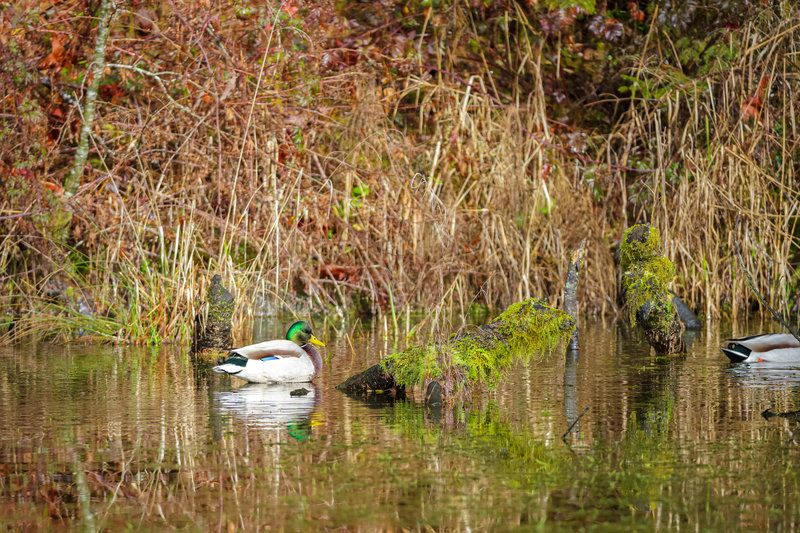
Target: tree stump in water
[646,275]
[212,332]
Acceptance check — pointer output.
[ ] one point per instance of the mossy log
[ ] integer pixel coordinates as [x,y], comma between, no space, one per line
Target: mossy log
[523,331]
[212,331]
[646,276]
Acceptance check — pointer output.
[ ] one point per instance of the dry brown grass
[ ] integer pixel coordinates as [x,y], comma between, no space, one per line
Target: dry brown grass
[211,164]
[722,143]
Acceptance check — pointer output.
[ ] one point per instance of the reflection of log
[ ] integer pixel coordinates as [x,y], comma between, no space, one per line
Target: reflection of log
[791,415]
[571,387]
[646,275]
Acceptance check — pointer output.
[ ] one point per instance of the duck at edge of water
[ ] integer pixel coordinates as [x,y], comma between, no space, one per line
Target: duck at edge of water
[291,360]
[768,347]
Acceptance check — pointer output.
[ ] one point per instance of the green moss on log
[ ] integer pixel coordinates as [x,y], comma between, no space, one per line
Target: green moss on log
[522,332]
[220,302]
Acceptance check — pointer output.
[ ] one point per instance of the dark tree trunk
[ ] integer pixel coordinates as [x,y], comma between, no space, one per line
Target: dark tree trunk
[212,332]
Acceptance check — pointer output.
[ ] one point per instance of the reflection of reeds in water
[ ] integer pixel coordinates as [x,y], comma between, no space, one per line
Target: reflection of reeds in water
[663,441]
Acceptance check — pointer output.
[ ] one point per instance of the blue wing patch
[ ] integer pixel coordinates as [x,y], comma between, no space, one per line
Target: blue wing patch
[270,358]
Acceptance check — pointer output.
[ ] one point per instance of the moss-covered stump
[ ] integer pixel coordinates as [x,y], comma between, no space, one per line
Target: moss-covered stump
[646,276]
[212,332]
[521,332]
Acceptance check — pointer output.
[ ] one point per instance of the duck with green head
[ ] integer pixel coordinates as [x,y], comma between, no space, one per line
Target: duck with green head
[291,360]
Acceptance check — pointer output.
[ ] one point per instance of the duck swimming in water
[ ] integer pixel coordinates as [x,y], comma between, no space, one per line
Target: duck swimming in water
[769,347]
[291,360]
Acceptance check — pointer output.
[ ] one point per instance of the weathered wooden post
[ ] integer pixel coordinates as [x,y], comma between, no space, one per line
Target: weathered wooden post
[571,356]
[571,291]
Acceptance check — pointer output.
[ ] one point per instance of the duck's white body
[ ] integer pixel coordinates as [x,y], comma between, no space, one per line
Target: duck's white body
[276,370]
[278,361]
[769,347]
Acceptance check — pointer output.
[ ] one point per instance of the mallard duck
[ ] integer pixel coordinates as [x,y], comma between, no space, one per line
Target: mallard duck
[769,347]
[293,360]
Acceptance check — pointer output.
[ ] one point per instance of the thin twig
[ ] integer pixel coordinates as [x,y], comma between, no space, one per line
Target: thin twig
[27,214]
[157,76]
[569,429]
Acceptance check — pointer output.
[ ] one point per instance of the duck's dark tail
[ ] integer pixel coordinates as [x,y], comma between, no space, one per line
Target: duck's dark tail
[734,354]
[233,364]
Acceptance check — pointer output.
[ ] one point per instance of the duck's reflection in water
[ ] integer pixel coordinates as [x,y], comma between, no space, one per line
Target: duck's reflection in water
[765,375]
[293,407]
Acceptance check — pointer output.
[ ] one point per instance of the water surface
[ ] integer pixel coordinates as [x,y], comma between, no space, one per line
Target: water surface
[115,437]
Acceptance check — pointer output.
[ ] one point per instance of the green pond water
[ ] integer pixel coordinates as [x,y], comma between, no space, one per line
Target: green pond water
[113,438]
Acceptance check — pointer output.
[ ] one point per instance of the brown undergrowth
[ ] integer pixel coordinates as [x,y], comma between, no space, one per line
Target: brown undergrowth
[723,142]
[318,176]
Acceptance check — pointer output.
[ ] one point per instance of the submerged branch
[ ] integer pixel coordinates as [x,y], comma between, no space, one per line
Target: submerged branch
[574,423]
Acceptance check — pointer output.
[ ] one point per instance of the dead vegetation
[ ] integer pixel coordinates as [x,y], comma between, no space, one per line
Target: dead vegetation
[316,171]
